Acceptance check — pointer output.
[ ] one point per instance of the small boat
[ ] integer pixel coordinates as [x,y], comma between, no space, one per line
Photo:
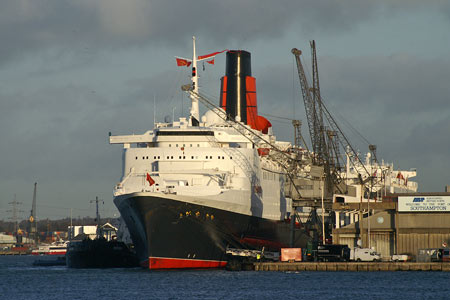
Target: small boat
[100,253]
[57,248]
[58,261]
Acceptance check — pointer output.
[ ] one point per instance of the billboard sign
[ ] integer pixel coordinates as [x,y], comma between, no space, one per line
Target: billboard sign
[424,203]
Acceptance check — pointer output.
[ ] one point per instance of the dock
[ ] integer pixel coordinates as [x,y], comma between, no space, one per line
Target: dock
[351,266]
[9,252]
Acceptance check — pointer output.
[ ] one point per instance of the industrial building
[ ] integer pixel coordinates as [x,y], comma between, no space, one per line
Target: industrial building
[399,224]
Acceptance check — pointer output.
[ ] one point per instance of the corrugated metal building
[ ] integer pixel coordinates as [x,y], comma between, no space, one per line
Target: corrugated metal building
[400,224]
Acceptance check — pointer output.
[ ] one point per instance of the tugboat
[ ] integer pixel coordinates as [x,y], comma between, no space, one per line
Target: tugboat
[100,252]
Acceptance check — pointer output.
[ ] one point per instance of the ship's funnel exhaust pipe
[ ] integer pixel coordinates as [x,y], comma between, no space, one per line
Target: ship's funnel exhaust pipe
[238,91]
[238,67]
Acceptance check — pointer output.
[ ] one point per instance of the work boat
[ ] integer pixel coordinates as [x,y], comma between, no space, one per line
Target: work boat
[194,187]
[56,248]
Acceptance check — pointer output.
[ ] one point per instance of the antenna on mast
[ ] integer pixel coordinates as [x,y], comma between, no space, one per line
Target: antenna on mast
[154,110]
[97,216]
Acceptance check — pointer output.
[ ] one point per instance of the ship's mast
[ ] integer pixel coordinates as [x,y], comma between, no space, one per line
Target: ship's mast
[32,219]
[194,118]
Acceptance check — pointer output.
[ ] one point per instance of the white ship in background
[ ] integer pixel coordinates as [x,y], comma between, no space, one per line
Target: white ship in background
[384,180]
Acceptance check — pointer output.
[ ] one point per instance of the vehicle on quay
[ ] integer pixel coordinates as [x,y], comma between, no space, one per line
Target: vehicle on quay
[400,257]
[364,254]
[326,252]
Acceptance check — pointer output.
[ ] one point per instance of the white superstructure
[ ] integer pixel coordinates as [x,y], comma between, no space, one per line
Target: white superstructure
[205,161]
[379,178]
[211,162]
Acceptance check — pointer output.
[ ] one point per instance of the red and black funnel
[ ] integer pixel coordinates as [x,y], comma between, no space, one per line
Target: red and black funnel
[238,91]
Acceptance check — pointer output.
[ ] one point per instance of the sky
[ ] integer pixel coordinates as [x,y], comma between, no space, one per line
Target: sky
[73,71]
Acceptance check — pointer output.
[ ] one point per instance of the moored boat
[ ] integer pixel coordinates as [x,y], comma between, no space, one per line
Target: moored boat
[56,248]
[193,187]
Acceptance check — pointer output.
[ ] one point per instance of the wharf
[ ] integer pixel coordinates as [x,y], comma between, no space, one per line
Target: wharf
[10,252]
[352,266]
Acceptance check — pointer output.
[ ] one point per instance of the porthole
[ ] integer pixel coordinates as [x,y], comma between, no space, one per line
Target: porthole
[136,157]
[167,157]
[192,157]
[154,157]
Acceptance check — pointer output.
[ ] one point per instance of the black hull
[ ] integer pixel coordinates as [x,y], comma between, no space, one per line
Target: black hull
[175,234]
[100,253]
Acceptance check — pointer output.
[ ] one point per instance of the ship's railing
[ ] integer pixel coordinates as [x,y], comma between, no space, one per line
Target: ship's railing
[164,187]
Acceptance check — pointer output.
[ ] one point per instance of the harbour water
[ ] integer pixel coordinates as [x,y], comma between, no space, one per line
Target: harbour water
[20,280]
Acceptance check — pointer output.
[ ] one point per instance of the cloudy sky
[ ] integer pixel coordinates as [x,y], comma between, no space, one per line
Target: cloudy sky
[73,70]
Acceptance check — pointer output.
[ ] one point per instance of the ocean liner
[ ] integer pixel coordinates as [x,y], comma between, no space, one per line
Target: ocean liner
[193,187]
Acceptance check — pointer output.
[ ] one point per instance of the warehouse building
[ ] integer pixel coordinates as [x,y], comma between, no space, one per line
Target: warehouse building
[399,224]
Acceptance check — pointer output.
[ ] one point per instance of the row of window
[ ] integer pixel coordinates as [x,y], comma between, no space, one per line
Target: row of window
[184,145]
[183,157]
[269,175]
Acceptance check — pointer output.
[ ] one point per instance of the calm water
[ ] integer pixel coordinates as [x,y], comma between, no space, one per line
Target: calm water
[20,280]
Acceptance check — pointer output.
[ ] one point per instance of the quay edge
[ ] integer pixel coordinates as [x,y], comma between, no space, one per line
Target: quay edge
[351,266]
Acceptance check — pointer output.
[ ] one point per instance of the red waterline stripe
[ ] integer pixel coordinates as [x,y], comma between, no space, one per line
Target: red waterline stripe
[178,263]
[49,253]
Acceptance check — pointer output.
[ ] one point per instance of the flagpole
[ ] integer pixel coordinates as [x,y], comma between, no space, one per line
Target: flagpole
[194,119]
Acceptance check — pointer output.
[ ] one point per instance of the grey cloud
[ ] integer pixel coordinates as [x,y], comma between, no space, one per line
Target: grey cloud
[30,25]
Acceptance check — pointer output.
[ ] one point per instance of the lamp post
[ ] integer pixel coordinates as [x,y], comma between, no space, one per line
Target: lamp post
[323,212]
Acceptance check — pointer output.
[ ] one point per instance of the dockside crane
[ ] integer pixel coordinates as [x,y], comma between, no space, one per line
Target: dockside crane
[326,140]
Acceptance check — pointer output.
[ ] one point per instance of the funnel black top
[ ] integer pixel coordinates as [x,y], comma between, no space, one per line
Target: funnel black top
[238,67]
[238,63]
